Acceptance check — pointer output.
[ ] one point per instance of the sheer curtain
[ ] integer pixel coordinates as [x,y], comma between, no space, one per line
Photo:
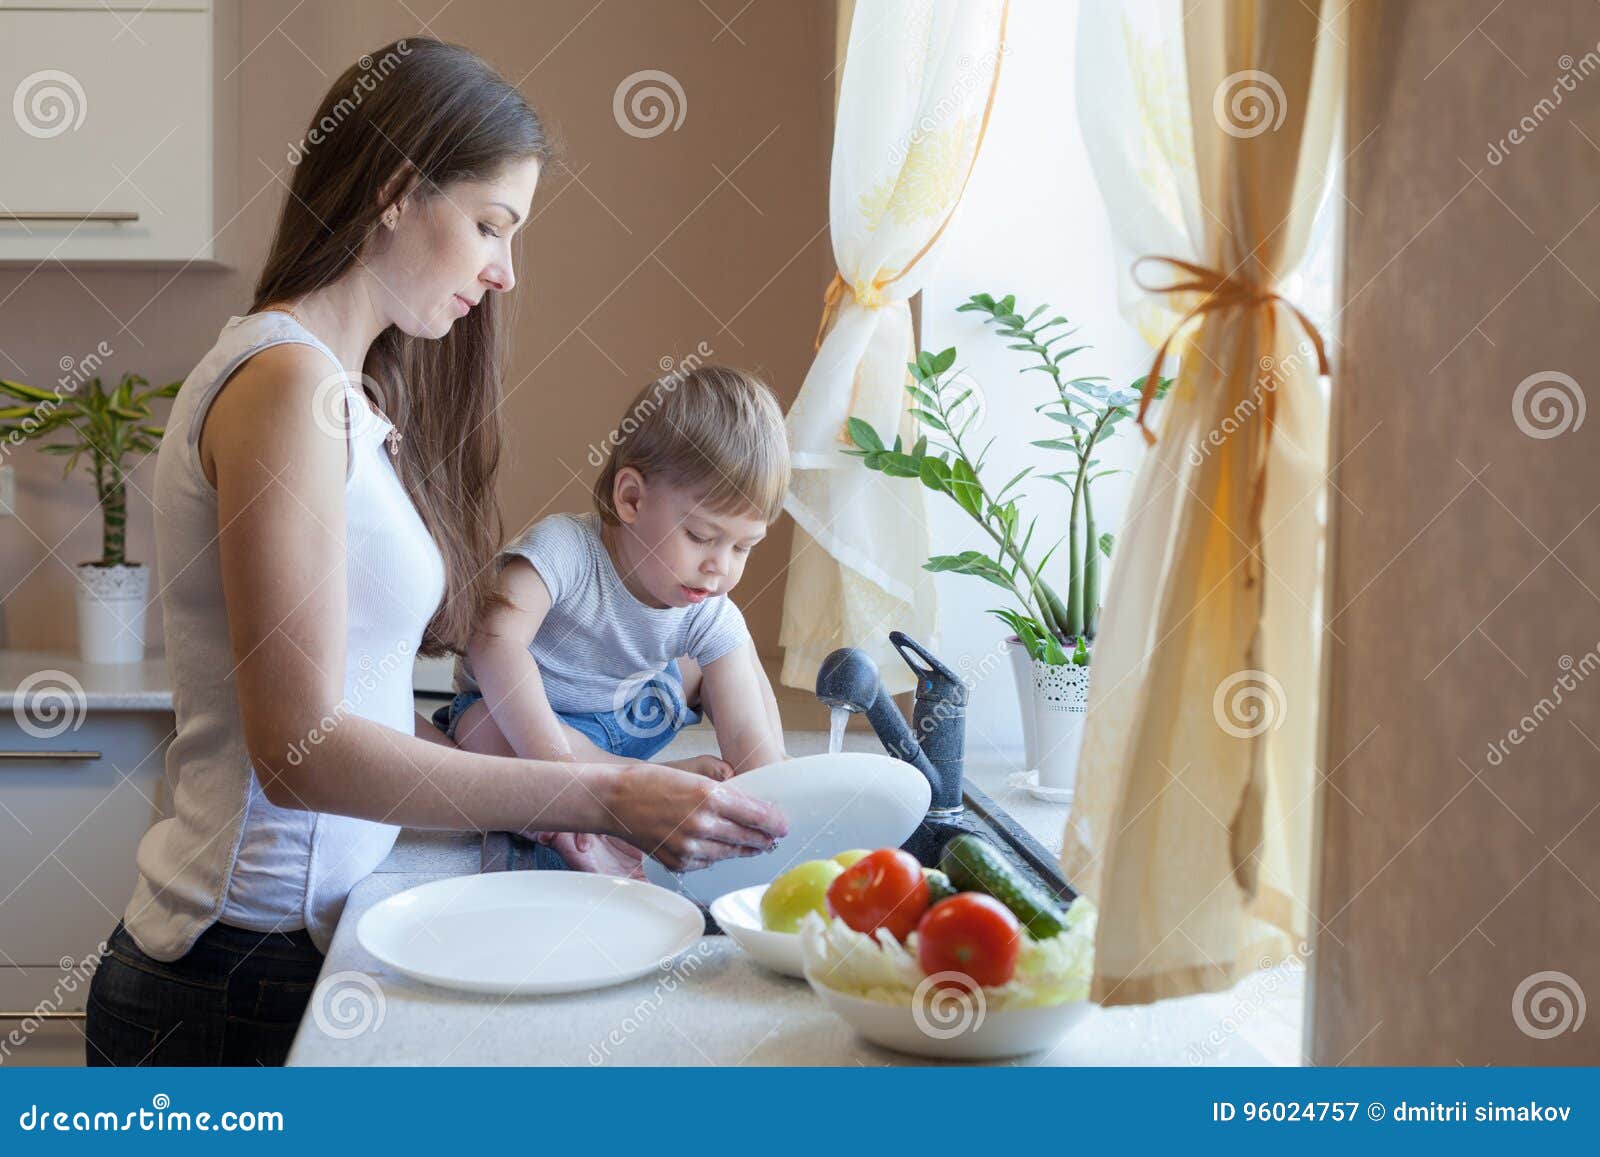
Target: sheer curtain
[1210,128]
[918,84]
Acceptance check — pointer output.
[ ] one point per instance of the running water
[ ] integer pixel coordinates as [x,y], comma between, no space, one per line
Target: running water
[841,716]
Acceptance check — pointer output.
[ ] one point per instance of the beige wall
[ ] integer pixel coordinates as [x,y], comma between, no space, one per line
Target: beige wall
[639,249]
[1465,558]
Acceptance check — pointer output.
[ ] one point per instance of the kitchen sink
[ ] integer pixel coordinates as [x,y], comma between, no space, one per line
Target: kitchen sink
[934,742]
[982,816]
[509,852]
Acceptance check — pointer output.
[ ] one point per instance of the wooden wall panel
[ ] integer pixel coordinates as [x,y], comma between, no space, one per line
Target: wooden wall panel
[1460,846]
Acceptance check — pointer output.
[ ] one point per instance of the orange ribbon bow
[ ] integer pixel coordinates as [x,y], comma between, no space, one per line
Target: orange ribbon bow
[1222,291]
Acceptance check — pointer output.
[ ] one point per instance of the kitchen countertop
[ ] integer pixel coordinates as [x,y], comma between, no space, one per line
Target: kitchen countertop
[713,1005]
[142,686]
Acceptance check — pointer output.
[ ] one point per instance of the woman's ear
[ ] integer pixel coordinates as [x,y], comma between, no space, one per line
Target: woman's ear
[627,492]
[393,194]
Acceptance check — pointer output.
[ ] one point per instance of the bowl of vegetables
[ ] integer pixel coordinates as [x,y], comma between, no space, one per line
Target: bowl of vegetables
[764,920]
[967,962]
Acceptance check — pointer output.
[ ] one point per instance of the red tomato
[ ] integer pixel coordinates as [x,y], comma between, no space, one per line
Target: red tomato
[884,889]
[972,934]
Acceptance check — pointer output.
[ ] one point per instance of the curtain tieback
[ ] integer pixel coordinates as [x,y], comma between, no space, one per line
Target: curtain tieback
[868,296]
[1222,292]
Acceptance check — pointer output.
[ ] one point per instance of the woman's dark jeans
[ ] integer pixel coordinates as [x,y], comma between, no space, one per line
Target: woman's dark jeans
[236,998]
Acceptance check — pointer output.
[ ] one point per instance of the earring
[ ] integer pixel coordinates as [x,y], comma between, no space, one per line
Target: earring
[389,217]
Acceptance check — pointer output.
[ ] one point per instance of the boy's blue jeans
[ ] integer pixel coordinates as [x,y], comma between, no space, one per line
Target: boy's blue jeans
[639,729]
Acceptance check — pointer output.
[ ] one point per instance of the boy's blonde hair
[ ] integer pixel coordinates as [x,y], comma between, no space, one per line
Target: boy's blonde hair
[712,428]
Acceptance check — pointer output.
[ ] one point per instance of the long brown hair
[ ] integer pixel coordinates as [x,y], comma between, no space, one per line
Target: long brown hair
[429,113]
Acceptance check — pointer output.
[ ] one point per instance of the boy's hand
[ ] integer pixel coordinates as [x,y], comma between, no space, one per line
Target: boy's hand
[709,766]
[603,855]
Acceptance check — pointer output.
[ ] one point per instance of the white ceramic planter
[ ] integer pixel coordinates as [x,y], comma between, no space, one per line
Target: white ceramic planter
[1054,703]
[111,603]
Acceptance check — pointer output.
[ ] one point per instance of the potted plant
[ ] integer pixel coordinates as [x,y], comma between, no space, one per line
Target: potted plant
[1053,640]
[104,428]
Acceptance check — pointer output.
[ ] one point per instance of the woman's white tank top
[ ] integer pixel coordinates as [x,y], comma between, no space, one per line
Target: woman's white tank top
[226,852]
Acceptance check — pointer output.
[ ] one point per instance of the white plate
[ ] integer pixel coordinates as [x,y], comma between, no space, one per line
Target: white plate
[529,932]
[833,803]
[958,1028]
[739,915]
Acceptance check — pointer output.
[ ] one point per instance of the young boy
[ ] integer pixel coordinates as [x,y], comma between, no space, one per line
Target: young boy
[616,629]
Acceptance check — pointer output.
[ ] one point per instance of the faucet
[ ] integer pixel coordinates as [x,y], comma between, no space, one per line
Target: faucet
[935,740]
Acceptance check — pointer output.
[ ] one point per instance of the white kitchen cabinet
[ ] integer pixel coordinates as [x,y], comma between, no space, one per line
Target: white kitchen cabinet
[73,807]
[111,148]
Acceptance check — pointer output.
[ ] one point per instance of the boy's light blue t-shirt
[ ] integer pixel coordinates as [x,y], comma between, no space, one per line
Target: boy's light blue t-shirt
[599,644]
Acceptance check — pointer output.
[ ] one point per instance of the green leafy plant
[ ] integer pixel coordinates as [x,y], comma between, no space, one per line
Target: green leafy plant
[104,427]
[945,459]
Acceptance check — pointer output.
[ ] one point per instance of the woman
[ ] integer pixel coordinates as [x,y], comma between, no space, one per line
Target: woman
[323,518]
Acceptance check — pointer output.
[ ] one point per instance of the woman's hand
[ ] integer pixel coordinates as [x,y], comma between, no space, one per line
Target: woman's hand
[688,821]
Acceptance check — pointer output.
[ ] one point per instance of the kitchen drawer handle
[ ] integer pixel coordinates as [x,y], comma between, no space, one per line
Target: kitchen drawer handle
[48,754]
[67,215]
[36,1015]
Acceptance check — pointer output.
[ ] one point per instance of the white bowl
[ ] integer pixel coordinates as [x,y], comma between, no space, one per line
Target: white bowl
[739,915]
[954,1025]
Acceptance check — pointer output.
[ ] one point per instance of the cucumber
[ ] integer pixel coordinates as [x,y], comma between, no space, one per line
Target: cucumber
[975,865]
[939,885]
